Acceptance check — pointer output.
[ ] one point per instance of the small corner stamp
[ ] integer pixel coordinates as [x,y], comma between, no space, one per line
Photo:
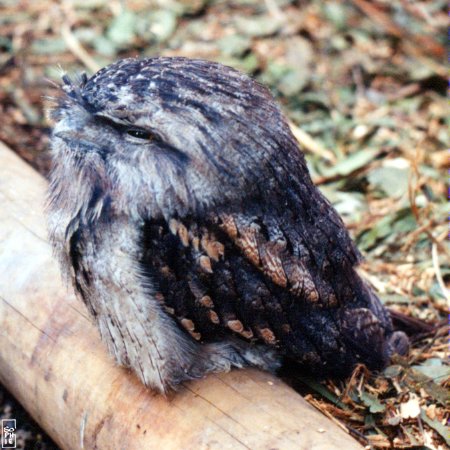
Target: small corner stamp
[8,433]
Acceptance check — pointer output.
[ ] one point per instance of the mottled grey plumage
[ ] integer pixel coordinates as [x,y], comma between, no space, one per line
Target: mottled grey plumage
[181,208]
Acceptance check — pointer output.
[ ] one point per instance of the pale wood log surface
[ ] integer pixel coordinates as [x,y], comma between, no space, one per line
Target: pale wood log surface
[52,361]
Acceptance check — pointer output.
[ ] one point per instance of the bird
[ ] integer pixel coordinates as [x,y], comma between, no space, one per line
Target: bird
[181,209]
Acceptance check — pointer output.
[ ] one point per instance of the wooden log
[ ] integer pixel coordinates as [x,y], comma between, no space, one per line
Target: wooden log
[53,362]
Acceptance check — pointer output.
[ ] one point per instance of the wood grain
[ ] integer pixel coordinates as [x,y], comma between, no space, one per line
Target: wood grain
[52,361]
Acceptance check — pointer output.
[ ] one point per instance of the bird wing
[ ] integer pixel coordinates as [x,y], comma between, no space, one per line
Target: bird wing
[268,273]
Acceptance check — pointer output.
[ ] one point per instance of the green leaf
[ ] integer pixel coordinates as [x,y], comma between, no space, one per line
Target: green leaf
[437,426]
[162,24]
[323,391]
[88,4]
[375,406]
[379,231]
[393,371]
[434,368]
[351,204]
[336,13]
[257,26]
[48,46]
[248,64]
[104,46]
[404,221]
[121,29]
[416,379]
[388,228]
[234,45]
[186,7]
[390,180]
[353,162]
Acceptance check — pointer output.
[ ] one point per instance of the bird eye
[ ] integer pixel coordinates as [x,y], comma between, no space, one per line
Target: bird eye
[140,134]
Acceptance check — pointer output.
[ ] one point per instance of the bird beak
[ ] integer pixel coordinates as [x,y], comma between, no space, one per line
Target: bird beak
[68,135]
[78,139]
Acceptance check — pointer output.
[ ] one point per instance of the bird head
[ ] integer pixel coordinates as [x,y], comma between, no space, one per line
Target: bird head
[170,136]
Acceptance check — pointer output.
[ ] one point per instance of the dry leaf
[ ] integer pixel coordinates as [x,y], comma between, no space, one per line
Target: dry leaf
[411,408]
